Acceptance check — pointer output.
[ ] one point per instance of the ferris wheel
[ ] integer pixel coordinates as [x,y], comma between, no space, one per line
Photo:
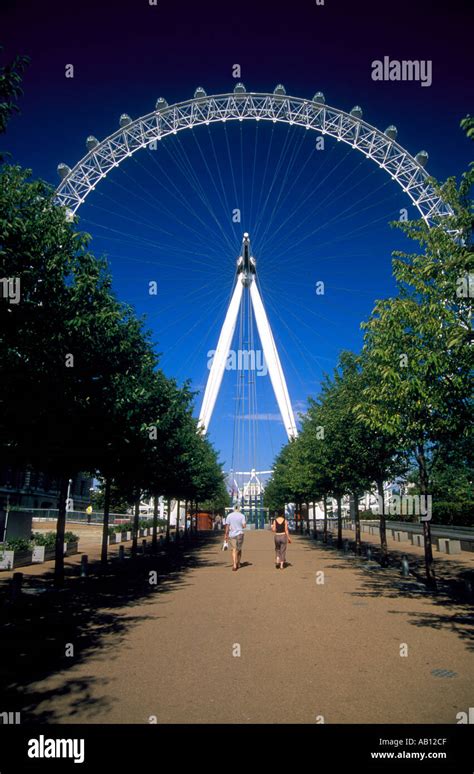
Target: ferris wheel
[244,314]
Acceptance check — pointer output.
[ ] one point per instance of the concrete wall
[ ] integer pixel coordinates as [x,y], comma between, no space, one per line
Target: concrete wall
[19,524]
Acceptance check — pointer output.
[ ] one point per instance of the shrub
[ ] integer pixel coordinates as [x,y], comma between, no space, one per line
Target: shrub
[70,537]
[368,514]
[18,544]
[148,523]
[459,514]
[47,539]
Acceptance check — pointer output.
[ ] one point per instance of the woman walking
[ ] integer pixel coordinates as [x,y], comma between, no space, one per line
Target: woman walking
[282,538]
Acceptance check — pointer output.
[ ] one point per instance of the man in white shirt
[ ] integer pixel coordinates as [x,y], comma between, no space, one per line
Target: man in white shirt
[234,533]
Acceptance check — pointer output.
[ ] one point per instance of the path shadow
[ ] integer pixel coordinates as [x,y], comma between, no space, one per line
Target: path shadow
[453,599]
[91,614]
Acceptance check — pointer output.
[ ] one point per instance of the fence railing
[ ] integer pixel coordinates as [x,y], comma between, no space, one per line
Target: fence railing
[78,517]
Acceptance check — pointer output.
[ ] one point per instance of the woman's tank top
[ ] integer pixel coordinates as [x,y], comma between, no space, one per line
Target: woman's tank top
[279,527]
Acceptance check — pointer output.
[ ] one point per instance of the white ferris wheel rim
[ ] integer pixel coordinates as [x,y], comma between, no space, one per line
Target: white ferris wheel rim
[411,176]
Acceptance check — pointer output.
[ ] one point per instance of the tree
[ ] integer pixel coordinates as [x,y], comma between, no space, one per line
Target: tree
[117,503]
[314,454]
[419,344]
[372,455]
[10,89]
[75,359]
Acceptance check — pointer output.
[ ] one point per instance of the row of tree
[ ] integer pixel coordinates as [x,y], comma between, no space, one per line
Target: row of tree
[404,404]
[81,389]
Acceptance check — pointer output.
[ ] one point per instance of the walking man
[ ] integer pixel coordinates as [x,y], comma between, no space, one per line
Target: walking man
[234,533]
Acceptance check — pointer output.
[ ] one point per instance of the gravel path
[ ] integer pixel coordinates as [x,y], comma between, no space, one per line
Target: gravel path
[264,645]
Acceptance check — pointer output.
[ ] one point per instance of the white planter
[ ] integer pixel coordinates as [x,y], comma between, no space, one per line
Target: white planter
[11,559]
[38,554]
[6,559]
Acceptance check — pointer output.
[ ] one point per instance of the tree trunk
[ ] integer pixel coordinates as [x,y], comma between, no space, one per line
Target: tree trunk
[135,529]
[357,524]
[307,518]
[424,484]
[177,521]
[325,530]
[314,516]
[154,540]
[339,521]
[383,525]
[186,506]
[105,525]
[60,530]
[168,521]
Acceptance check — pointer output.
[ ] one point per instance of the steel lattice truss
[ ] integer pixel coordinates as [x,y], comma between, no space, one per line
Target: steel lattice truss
[203,109]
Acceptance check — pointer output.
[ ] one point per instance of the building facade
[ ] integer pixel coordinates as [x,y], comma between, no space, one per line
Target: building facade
[34,489]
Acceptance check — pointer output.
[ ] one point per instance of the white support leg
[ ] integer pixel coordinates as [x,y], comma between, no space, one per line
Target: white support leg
[273,361]
[218,364]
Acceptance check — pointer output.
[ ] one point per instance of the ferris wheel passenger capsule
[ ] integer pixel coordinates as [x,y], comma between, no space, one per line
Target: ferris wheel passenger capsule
[161,103]
[63,170]
[239,88]
[356,112]
[279,90]
[125,120]
[422,158]
[91,142]
[391,132]
[199,93]
[319,98]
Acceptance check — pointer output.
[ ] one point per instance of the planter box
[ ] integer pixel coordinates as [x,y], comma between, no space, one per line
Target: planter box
[126,536]
[22,558]
[42,554]
[115,538]
[11,559]
[71,548]
[38,554]
[6,560]
[49,553]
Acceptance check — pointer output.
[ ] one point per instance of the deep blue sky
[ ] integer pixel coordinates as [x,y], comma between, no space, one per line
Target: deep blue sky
[165,216]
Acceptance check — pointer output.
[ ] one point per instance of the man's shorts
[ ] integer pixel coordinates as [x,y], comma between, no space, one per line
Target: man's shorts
[236,542]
